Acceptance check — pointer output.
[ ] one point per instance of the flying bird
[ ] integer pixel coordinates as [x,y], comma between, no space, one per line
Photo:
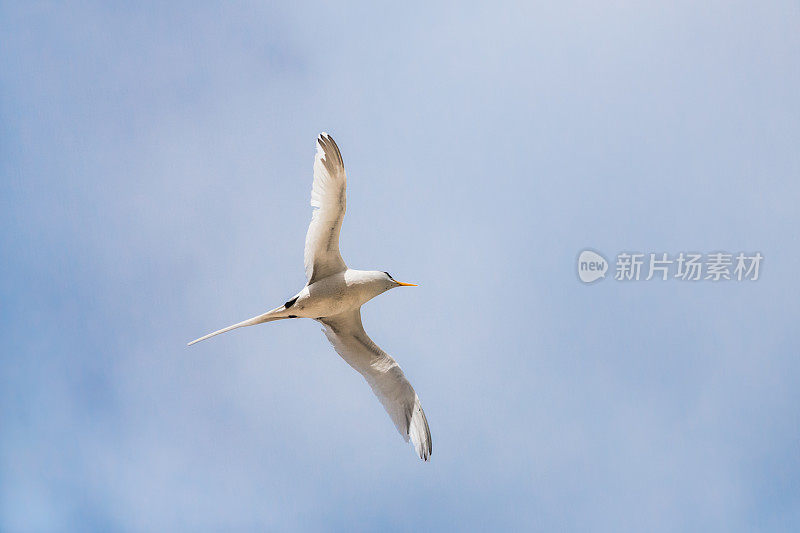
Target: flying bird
[334,295]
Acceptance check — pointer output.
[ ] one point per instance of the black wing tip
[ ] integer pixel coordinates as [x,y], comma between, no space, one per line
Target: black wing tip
[325,140]
[329,145]
[427,446]
[427,451]
[426,454]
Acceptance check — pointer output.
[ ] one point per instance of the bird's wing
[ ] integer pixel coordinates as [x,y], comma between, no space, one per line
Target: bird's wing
[329,199]
[384,376]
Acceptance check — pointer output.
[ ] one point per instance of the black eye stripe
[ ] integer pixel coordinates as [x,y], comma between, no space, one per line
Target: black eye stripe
[390,276]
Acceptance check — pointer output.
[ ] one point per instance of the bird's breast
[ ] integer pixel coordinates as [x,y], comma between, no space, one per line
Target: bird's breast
[329,296]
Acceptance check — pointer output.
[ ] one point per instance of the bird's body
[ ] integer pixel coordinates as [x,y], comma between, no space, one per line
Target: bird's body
[334,295]
[338,293]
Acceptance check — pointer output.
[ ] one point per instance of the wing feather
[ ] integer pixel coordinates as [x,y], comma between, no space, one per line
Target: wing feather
[346,334]
[329,200]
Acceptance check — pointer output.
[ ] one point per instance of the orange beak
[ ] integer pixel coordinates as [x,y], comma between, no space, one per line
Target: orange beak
[405,284]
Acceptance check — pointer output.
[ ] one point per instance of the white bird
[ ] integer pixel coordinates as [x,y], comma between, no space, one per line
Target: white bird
[334,295]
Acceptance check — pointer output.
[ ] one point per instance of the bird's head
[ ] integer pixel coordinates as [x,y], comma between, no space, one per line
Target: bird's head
[388,282]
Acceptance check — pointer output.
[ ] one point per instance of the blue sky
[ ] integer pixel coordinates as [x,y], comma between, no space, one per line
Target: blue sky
[156,170]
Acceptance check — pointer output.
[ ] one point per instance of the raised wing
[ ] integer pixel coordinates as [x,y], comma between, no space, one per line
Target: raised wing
[329,200]
[384,376]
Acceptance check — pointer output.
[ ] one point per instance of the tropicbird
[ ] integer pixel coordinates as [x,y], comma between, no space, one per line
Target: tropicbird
[334,295]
